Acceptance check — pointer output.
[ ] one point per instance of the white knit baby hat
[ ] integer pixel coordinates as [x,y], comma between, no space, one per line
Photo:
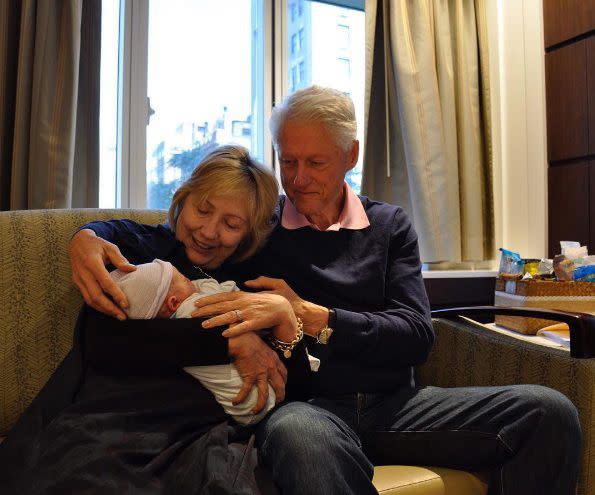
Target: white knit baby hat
[145,288]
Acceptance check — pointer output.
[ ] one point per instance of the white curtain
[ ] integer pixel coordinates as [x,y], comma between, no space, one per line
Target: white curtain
[427,122]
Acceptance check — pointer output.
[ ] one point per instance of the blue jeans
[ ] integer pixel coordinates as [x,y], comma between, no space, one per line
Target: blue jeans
[527,436]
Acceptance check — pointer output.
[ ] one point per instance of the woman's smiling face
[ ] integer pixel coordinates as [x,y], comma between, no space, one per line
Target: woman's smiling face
[212,229]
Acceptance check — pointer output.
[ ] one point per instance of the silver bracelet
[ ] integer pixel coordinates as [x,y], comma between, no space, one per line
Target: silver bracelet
[287,347]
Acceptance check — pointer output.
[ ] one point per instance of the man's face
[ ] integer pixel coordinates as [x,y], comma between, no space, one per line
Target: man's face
[313,168]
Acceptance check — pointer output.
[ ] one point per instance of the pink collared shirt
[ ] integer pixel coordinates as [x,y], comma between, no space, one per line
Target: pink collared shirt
[353,216]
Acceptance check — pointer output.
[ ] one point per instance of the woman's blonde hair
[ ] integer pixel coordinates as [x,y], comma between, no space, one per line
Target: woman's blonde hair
[228,170]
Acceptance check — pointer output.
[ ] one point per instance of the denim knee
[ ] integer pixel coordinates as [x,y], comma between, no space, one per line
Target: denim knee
[301,431]
[310,450]
[560,414]
[547,410]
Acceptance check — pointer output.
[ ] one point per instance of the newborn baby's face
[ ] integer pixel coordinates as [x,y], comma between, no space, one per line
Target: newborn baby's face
[181,287]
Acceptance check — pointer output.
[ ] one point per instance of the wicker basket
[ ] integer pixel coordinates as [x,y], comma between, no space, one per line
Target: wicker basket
[544,294]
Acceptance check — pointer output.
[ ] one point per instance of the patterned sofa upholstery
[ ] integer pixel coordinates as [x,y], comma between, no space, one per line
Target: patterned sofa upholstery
[40,304]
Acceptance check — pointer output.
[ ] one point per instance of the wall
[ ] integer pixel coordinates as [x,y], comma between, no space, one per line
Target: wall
[519,127]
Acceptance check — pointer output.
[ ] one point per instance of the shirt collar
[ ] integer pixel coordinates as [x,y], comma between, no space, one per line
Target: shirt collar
[353,216]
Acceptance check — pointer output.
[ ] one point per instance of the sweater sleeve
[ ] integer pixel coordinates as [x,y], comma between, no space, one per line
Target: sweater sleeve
[400,334]
[138,243]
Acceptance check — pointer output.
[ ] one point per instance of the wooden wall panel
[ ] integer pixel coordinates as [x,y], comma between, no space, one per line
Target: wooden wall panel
[567,108]
[591,94]
[566,19]
[568,205]
[592,207]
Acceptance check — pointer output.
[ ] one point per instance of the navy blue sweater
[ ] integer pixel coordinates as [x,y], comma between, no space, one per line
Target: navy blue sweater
[370,277]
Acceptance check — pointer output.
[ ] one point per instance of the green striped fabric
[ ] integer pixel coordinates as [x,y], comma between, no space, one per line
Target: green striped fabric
[38,299]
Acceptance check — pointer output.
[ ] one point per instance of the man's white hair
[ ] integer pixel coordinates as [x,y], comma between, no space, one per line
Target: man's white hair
[326,106]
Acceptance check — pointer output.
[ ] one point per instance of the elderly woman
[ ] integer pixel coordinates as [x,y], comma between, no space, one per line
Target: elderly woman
[220,216]
[160,432]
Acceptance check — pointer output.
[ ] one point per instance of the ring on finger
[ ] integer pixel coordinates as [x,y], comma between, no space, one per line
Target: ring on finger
[238,313]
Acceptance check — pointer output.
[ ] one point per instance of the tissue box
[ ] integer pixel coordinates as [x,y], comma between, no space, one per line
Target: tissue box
[544,294]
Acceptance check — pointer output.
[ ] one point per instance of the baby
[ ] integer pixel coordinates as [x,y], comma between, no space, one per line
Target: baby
[159,290]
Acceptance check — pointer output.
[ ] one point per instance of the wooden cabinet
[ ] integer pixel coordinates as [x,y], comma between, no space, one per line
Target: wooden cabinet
[567,19]
[569,206]
[591,94]
[592,206]
[569,34]
[567,102]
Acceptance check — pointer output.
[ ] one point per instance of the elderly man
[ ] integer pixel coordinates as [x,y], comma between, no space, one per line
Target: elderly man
[350,267]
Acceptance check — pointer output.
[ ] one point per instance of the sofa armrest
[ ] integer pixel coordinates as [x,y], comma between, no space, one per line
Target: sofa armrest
[467,354]
[582,325]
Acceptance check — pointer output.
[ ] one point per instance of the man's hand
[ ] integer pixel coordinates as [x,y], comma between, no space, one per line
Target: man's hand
[314,316]
[89,255]
[258,365]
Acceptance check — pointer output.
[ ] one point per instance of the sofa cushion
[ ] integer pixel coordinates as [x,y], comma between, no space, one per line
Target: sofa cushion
[413,480]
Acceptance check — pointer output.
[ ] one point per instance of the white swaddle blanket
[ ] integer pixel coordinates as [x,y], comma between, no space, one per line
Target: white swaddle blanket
[223,380]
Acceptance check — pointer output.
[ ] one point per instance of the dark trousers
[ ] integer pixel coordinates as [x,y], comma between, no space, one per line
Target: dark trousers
[527,436]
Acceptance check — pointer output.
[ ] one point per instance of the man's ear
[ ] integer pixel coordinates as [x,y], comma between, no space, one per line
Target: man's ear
[353,154]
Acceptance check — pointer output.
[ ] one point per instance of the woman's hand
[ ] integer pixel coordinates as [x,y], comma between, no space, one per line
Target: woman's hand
[89,255]
[258,365]
[248,312]
[314,316]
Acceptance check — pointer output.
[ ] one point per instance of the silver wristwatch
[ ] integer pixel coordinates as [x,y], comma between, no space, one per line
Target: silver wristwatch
[324,335]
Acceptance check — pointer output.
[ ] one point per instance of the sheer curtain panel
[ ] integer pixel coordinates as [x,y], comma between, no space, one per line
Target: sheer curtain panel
[49,103]
[427,122]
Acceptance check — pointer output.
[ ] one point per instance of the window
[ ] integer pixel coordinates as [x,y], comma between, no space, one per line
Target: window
[295,78]
[181,77]
[189,44]
[344,73]
[343,36]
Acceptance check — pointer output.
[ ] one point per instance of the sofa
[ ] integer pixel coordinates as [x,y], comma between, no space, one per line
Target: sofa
[40,305]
